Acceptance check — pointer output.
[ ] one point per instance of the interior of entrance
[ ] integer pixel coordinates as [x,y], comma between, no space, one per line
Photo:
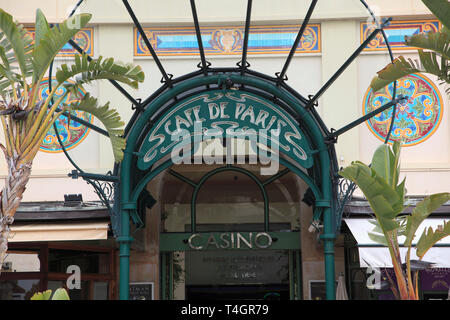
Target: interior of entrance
[237,275]
[231,202]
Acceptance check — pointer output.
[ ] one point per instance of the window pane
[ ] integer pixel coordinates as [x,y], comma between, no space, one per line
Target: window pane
[54,285]
[100,290]
[230,198]
[89,262]
[21,261]
[284,203]
[18,289]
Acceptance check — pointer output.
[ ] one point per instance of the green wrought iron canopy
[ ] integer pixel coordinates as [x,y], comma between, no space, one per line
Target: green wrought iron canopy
[312,154]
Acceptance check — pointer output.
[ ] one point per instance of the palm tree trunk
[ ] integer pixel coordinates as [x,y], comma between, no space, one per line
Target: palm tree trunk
[10,198]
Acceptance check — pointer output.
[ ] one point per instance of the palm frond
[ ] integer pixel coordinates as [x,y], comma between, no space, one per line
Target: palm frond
[96,69]
[52,42]
[399,68]
[438,42]
[13,39]
[110,118]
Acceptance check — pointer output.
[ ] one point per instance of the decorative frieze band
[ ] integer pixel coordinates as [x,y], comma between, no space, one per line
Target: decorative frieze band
[396,32]
[84,38]
[179,41]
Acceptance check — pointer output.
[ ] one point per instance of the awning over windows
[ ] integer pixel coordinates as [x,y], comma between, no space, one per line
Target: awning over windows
[59,231]
[375,255]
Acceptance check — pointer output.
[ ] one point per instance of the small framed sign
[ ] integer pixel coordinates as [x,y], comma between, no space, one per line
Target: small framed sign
[317,290]
[141,291]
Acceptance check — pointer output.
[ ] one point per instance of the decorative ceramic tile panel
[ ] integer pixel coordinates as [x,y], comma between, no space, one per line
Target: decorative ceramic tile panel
[227,40]
[416,119]
[71,132]
[84,38]
[396,33]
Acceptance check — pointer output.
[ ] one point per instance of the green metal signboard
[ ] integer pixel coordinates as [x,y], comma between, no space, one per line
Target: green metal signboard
[225,114]
[229,241]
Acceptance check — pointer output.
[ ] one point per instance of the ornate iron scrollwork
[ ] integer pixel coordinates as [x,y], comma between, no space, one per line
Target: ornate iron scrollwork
[344,192]
[105,186]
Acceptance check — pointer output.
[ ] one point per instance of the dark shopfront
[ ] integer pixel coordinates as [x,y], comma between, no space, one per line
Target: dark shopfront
[50,243]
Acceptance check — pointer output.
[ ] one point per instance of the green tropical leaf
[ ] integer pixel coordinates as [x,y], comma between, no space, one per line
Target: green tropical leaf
[421,211]
[385,162]
[41,27]
[430,237]
[399,68]
[430,63]
[441,9]
[4,58]
[42,295]
[384,200]
[60,294]
[15,37]
[434,41]
[377,233]
[47,294]
[52,42]
[8,74]
[110,119]
[378,238]
[10,62]
[37,296]
[96,69]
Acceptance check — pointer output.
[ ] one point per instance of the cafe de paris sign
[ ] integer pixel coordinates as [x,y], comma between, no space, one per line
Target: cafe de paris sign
[224,114]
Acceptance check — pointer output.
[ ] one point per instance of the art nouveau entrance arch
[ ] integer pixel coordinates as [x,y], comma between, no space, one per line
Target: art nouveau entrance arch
[306,144]
[314,165]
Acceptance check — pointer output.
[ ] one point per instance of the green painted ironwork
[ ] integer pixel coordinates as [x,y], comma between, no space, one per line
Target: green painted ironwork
[320,185]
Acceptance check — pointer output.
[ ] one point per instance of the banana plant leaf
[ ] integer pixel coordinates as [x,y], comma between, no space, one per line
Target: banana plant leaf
[435,41]
[441,9]
[422,210]
[384,199]
[385,162]
[430,237]
[41,27]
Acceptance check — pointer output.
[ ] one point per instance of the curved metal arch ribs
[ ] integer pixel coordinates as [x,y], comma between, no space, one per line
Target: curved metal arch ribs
[244,69]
